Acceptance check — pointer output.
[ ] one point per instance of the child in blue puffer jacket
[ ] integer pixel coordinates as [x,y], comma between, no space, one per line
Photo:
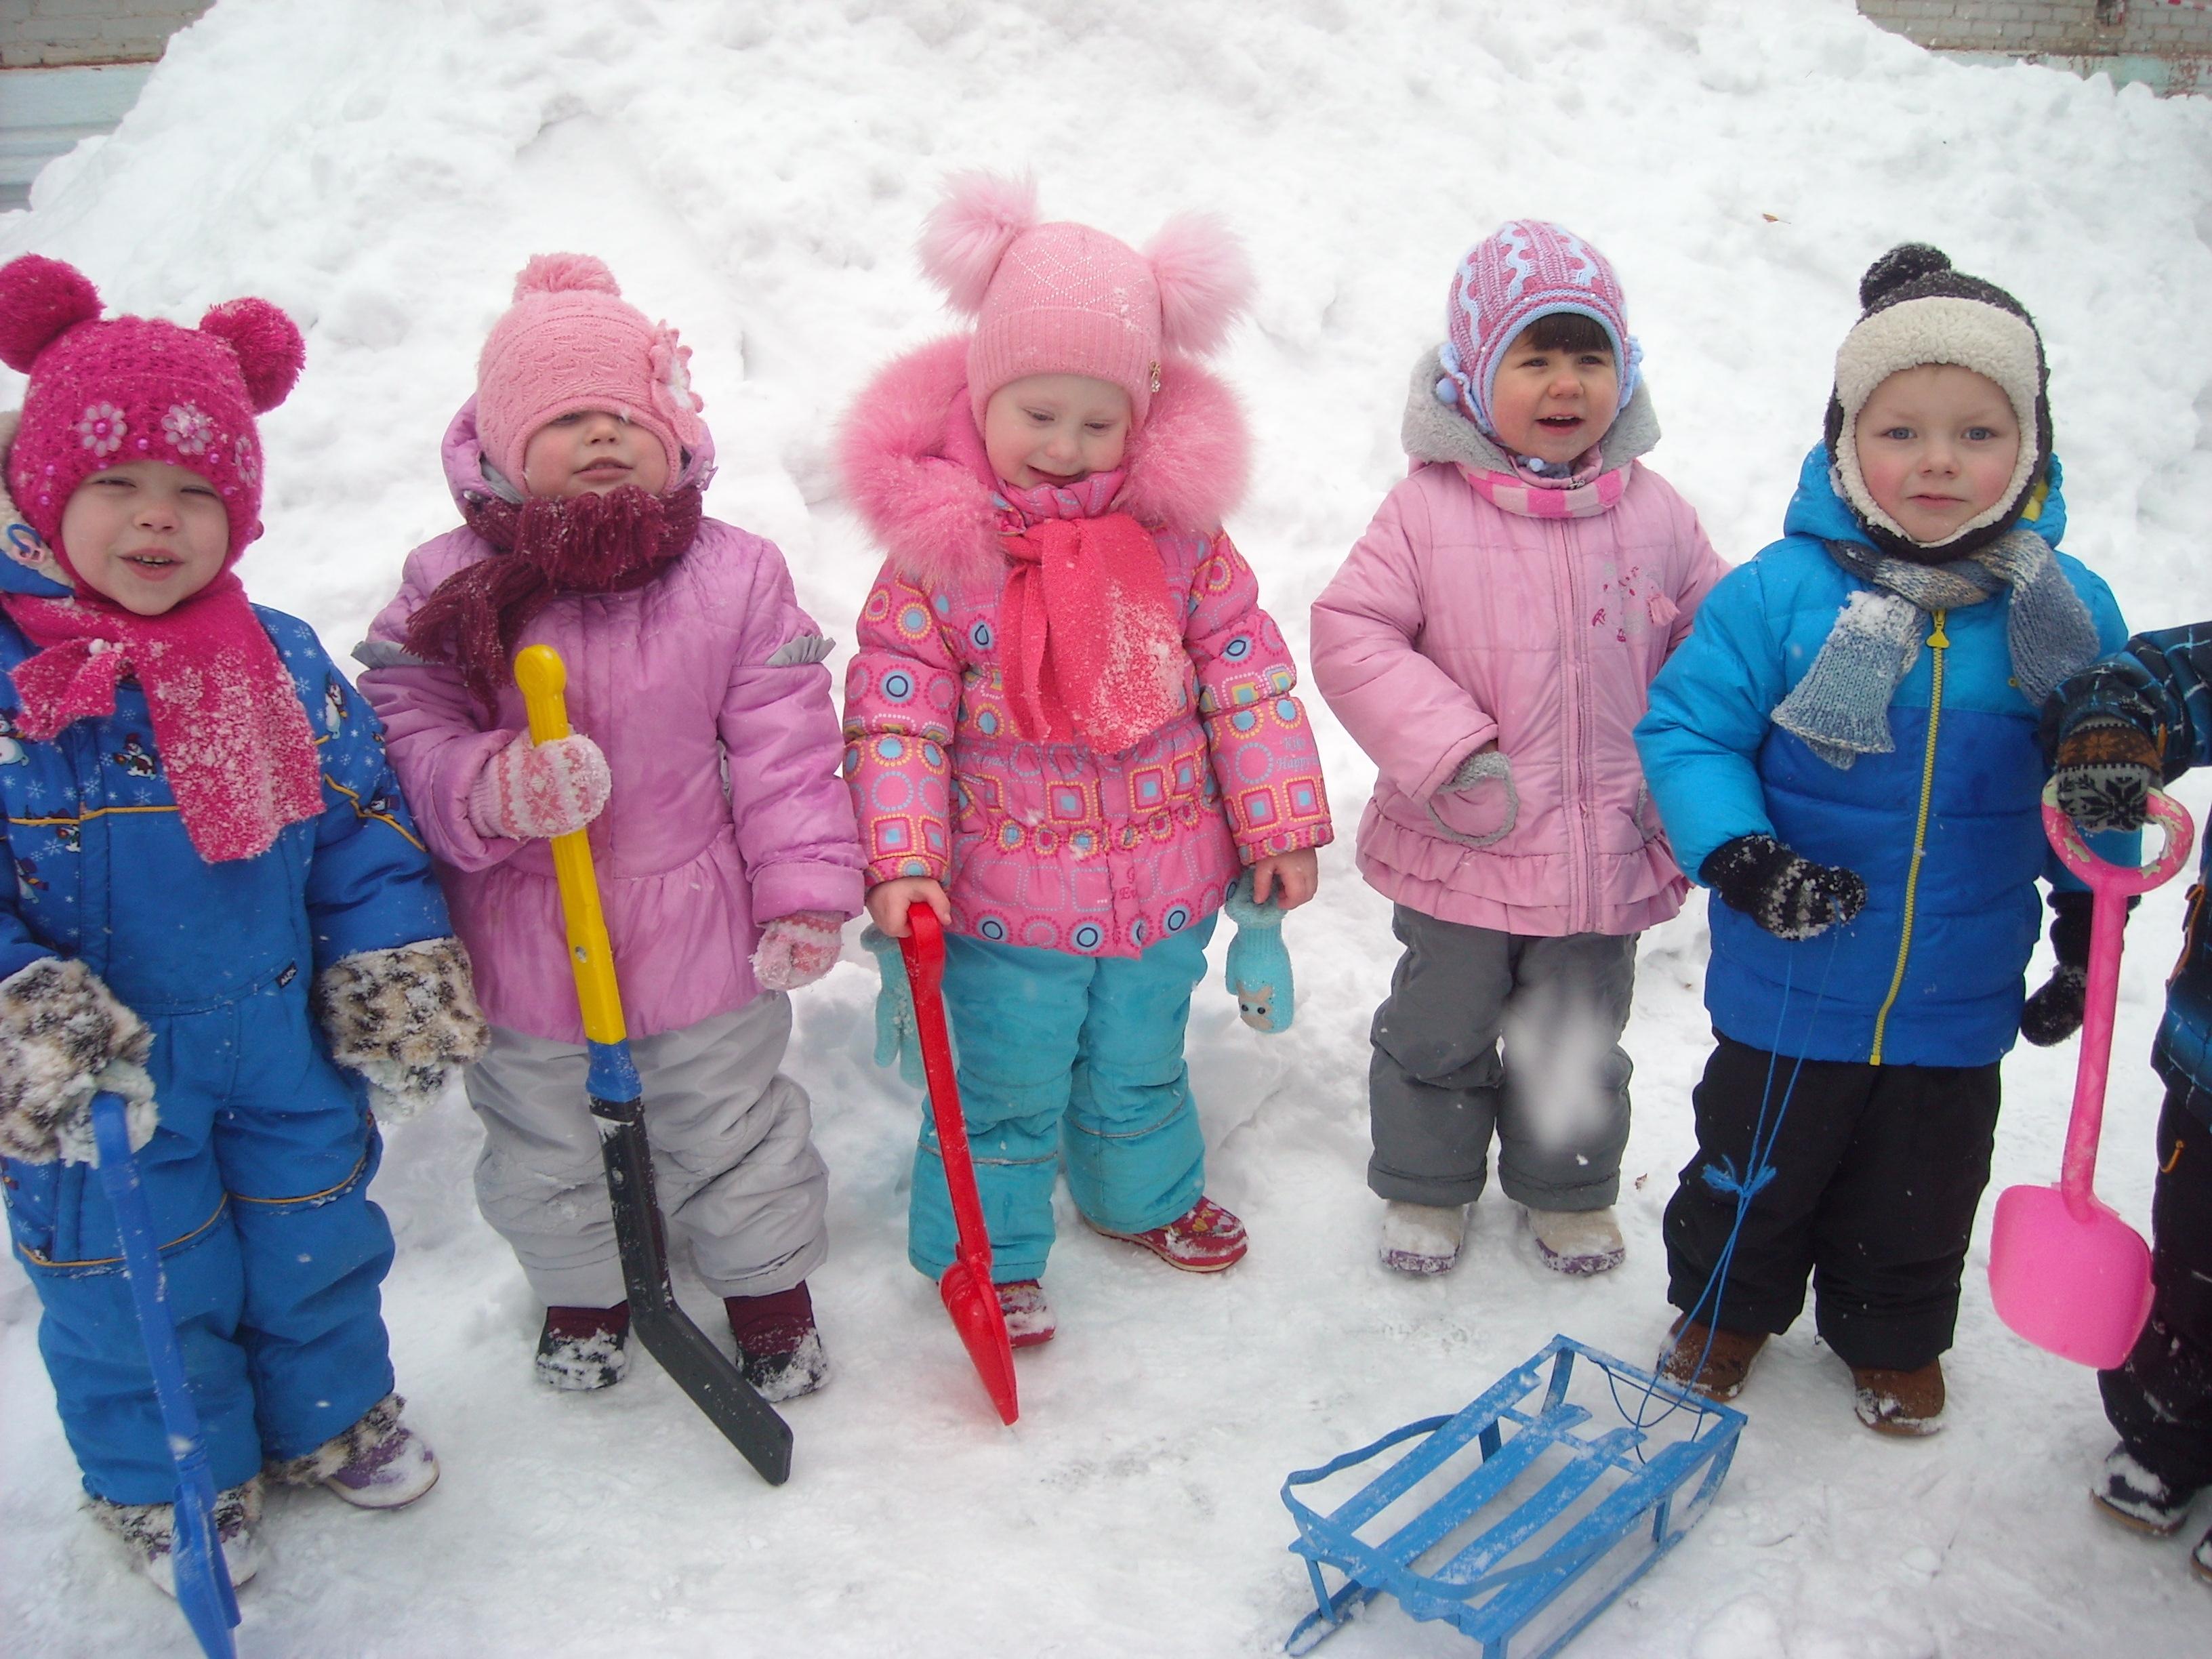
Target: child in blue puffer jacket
[220,913]
[1846,745]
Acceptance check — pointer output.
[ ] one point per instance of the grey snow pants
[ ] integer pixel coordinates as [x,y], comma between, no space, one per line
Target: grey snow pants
[1558,1098]
[738,1179]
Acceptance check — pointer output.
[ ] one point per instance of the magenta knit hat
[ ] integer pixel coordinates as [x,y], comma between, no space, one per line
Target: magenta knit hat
[136,389]
[1063,299]
[571,342]
[1525,270]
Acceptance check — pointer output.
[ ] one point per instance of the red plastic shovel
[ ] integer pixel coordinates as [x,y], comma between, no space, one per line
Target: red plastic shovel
[2065,1271]
[969,1296]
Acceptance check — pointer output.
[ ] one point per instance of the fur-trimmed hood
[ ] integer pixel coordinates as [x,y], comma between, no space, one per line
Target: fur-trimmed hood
[1432,432]
[913,464]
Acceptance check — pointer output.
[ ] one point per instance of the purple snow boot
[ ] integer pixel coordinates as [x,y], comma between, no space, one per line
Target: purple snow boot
[379,1463]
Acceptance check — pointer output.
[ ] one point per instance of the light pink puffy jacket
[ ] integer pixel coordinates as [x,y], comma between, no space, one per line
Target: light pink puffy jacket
[706,690]
[1454,624]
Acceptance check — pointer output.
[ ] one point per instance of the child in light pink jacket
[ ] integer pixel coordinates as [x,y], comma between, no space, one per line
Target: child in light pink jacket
[1489,642]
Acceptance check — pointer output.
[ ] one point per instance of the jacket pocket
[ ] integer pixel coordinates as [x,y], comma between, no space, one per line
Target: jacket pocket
[1481,817]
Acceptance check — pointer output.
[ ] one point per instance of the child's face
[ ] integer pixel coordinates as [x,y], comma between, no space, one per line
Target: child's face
[1937,444]
[1553,405]
[1055,428]
[146,534]
[591,453]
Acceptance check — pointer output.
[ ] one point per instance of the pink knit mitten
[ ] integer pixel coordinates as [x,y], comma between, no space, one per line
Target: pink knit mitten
[797,950]
[531,791]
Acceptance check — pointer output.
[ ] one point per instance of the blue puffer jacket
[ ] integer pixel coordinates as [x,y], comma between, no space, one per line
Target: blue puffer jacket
[1929,973]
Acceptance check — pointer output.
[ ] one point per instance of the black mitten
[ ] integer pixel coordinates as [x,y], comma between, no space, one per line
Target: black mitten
[2104,770]
[1792,898]
[2054,1012]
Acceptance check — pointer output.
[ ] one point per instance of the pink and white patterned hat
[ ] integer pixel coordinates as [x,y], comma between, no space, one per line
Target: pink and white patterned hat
[1525,270]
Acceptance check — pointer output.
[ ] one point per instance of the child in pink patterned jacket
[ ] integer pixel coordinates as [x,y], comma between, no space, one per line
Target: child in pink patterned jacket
[1069,726]
[1489,643]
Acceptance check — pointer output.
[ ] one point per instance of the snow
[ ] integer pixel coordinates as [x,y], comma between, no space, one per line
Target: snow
[757,174]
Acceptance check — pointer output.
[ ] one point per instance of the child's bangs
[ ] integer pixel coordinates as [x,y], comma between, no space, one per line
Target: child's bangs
[1568,332]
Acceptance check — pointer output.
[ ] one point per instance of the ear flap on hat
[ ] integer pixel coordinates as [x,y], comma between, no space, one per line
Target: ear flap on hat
[268,345]
[41,299]
[1205,282]
[970,231]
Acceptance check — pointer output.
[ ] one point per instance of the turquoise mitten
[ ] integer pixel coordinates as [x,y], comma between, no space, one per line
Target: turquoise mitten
[1259,962]
[897,1039]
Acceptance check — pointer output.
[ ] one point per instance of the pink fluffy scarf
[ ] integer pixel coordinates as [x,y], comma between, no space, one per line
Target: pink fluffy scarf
[227,723]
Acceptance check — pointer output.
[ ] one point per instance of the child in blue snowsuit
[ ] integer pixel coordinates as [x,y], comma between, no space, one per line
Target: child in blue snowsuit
[2131,722]
[218,904]
[1846,747]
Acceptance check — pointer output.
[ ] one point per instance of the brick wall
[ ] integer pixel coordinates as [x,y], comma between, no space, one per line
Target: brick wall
[2147,28]
[48,32]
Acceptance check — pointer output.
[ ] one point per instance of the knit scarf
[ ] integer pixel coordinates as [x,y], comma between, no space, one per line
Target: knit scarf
[1091,648]
[544,547]
[1841,708]
[227,724]
[1587,491]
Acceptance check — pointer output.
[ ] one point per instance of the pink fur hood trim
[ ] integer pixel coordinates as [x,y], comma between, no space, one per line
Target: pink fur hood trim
[912,462]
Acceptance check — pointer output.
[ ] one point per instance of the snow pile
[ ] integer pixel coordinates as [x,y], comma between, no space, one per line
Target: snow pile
[757,173]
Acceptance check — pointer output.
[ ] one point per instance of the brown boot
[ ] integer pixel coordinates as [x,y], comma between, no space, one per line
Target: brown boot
[1725,1367]
[1907,1404]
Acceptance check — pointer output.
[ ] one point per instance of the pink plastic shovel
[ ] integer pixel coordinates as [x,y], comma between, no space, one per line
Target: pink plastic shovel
[2065,1271]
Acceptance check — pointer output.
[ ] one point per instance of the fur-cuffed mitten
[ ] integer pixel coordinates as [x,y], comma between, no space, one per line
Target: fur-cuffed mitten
[898,1038]
[1792,898]
[2054,1012]
[405,1017]
[1259,971]
[2103,774]
[797,950]
[535,791]
[62,1037]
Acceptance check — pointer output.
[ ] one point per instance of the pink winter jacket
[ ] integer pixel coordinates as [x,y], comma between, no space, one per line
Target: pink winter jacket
[1055,845]
[1455,624]
[705,689]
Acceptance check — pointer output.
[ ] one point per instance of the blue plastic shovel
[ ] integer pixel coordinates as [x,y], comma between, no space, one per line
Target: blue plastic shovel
[195,1562]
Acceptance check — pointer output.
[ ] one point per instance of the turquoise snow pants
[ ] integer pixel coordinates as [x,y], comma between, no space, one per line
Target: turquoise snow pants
[1065,1058]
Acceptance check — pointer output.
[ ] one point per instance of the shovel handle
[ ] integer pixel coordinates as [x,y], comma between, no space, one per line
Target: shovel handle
[2124,880]
[923,948]
[543,679]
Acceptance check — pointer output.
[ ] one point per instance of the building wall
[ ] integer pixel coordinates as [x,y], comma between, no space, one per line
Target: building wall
[37,33]
[2147,28]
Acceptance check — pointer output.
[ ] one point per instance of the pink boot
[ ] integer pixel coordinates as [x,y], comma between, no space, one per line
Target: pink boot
[1204,1240]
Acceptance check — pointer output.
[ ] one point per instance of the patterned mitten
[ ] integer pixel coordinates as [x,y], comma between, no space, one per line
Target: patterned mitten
[797,950]
[535,791]
[62,1037]
[405,1018]
[2054,1012]
[1792,898]
[1259,962]
[2104,770]
[898,1038]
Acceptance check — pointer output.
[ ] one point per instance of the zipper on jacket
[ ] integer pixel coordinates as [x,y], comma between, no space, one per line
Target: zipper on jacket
[1576,805]
[1938,643]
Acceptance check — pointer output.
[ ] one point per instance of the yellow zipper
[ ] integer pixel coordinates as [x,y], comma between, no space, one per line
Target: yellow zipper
[1938,643]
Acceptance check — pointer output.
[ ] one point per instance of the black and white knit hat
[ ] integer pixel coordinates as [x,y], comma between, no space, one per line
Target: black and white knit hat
[1916,310]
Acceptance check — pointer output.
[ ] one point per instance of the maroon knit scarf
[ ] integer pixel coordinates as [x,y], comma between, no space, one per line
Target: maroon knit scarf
[544,547]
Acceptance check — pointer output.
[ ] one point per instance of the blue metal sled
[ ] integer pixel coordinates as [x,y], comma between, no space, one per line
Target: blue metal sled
[1519,1519]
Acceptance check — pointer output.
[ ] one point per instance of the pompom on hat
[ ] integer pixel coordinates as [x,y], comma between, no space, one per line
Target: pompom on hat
[1914,310]
[1063,299]
[137,389]
[1525,270]
[570,342]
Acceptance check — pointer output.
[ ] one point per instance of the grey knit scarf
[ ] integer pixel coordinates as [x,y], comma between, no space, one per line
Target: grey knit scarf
[1841,708]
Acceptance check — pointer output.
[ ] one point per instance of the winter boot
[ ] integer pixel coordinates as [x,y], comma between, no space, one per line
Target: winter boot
[582,1348]
[1726,1365]
[1907,1404]
[1578,1243]
[1029,1316]
[778,1346]
[2201,1557]
[1422,1238]
[2131,1495]
[379,1463]
[148,1531]
[1205,1239]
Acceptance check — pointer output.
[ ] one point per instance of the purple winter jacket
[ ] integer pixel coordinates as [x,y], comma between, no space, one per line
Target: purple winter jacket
[705,689]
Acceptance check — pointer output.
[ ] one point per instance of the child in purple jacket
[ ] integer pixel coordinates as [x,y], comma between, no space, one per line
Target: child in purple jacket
[704,761]
[1069,725]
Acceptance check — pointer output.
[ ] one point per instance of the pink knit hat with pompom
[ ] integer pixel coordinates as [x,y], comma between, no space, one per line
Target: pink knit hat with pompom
[136,389]
[1063,299]
[571,342]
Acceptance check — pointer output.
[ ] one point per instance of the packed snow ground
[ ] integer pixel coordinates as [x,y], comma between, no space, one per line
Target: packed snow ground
[756,173]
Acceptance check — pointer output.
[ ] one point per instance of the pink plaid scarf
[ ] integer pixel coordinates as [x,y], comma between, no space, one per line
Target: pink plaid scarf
[1585,494]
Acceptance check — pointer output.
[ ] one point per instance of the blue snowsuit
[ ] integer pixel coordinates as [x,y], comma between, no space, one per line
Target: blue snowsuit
[258,1175]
